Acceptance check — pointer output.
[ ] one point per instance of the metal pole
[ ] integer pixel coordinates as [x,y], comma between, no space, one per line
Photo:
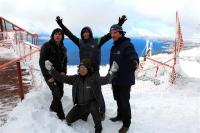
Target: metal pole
[1,25]
[19,74]
[30,52]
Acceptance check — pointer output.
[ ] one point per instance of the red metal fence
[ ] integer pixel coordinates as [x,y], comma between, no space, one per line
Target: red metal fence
[21,34]
[23,42]
[173,61]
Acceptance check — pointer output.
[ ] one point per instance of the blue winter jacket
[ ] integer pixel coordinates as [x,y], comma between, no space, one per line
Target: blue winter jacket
[123,52]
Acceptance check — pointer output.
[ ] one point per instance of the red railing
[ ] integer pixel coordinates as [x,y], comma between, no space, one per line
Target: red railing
[18,37]
[177,48]
[21,34]
[19,71]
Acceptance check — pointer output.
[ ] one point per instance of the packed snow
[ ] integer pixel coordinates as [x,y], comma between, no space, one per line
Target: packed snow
[6,53]
[163,108]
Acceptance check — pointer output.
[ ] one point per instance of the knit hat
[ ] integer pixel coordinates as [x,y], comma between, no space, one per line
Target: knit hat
[87,63]
[118,28]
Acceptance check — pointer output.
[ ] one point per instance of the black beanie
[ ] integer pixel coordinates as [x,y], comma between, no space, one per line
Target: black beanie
[118,28]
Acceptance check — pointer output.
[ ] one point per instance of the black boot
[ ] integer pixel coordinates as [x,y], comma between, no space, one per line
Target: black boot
[115,119]
[102,115]
[67,122]
[123,129]
[98,129]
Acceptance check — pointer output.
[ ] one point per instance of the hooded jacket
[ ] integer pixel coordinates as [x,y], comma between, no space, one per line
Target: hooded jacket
[90,48]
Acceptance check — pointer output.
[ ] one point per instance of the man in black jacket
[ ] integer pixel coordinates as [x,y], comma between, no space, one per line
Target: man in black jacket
[90,47]
[123,52]
[55,51]
[86,91]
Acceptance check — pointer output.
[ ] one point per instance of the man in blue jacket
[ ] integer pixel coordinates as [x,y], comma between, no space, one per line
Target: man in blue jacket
[123,52]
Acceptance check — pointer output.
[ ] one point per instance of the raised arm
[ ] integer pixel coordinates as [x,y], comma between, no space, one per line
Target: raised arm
[107,37]
[67,32]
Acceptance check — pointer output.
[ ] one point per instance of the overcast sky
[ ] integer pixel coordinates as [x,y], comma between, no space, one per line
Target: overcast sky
[145,17]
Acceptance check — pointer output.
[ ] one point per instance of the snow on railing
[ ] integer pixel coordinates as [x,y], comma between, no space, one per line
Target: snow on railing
[17,61]
[24,45]
[157,64]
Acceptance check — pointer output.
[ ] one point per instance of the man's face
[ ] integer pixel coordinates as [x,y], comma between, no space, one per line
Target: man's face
[83,70]
[115,35]
[57,37]
[86,35]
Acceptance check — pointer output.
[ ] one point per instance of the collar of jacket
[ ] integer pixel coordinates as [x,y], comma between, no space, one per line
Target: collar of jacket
[120,40]
[53,43]
[87,40]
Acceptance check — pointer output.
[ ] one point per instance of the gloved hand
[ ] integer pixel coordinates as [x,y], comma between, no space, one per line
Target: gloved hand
[58,20]
[114,68]
[122,20]
[48,65]
[55,90]
[51,80]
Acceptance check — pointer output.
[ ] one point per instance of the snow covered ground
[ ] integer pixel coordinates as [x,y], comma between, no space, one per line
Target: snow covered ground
[163,108]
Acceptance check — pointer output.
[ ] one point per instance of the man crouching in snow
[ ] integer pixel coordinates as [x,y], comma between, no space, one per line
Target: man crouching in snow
[85,91]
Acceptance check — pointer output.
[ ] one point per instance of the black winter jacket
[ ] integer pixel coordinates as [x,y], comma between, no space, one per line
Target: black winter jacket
[90,48]
[55,54]
[90,87]
[123,52]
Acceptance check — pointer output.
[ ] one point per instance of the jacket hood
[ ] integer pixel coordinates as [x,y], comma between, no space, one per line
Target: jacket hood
[88,29]
[55,31]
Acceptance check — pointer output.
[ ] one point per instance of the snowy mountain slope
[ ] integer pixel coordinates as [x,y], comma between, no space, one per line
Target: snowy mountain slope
[163,108]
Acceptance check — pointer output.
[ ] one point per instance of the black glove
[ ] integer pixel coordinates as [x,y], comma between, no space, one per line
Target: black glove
[122,20]
[134,64]
[55,90]
[58,20]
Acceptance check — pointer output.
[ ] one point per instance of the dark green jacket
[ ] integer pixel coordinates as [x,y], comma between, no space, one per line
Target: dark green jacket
[89,86]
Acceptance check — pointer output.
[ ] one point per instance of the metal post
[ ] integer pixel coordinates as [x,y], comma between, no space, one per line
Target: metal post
[156,71]
[30,51]
[173,76]
[1,25]
[19,74]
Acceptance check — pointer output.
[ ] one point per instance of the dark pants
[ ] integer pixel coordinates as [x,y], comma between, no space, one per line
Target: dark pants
[102,101]
[122,95]
[56,104]
[78,111]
